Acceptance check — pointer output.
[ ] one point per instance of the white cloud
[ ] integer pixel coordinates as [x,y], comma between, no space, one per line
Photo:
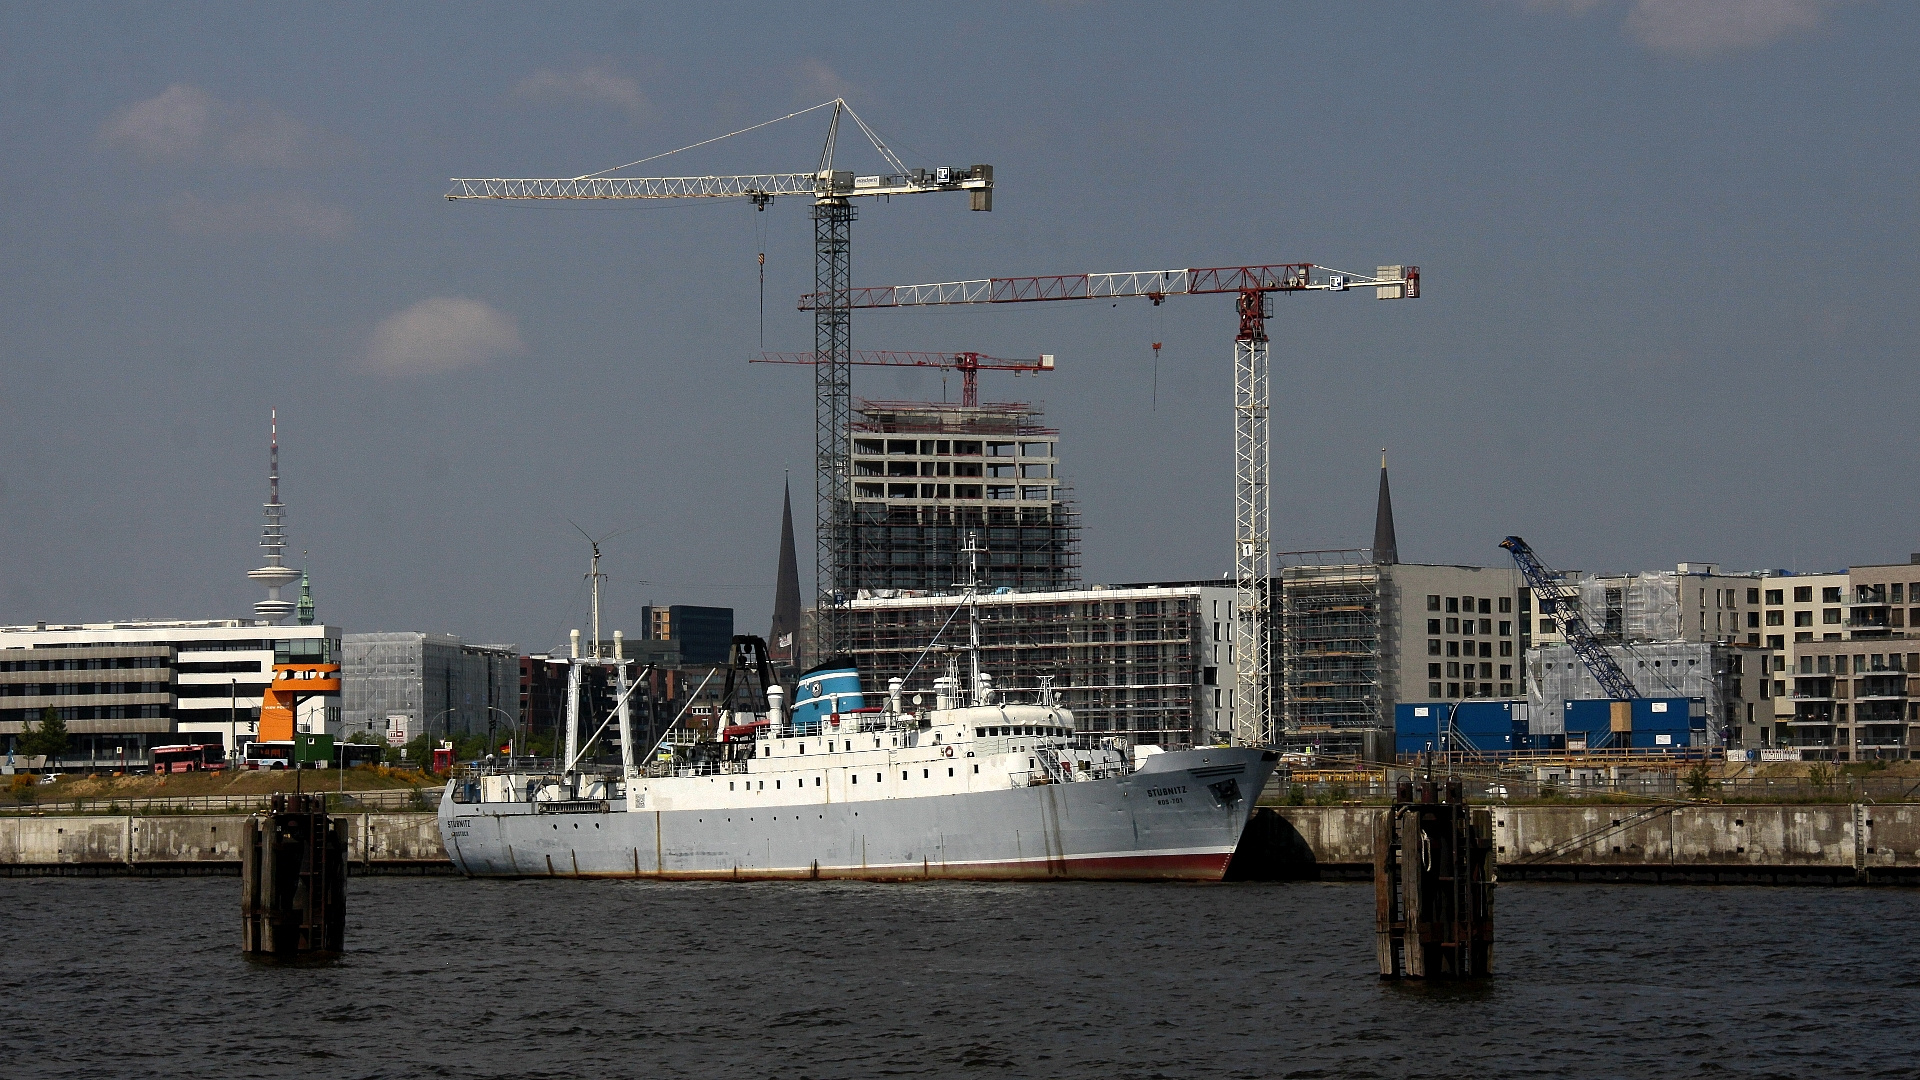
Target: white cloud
[172,124]
[589,85]
[292,214]
[184,123]
[1710,26]
[443,333]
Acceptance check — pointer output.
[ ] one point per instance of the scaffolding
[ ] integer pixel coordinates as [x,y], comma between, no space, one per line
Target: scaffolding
[926,474]
[1665,669]
[1126,662]
[1330,629]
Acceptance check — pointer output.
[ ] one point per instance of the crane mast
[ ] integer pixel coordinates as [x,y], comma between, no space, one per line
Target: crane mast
[832,191]
[1552,588]
[1253,511]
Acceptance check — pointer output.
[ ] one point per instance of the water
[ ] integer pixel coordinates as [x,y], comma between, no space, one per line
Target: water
[582,980]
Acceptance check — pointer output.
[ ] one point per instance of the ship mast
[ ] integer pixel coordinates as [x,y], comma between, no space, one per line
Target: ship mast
[973,621]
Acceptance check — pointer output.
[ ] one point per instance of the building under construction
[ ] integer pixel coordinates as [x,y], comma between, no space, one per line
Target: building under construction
[927,474]
[1151,663]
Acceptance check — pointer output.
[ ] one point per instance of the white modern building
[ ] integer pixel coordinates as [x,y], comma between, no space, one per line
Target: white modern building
[125,687]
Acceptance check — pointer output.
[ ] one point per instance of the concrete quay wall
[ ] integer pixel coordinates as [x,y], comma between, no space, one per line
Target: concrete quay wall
[199,844]
[1788,844]
[1792,843]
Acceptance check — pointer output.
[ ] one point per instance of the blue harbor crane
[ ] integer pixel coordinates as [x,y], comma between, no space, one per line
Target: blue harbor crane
[1551,588]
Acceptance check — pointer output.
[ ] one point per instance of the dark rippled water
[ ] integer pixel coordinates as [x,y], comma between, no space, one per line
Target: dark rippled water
[581,980]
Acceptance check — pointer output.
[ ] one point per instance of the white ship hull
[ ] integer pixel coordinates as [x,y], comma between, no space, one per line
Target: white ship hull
[1178,817]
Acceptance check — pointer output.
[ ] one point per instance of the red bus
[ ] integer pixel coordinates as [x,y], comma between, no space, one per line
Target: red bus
[198,757]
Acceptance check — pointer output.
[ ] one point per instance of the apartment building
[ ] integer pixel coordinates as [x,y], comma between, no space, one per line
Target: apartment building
[1842,650]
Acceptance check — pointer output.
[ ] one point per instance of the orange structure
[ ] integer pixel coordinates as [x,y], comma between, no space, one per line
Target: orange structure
[302,668]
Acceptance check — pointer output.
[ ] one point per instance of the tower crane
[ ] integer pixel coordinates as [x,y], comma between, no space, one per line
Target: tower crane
[832,191]
[968,364]
[1552,588]
[1250,285]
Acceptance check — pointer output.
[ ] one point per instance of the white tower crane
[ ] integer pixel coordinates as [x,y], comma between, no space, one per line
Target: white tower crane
[832,192]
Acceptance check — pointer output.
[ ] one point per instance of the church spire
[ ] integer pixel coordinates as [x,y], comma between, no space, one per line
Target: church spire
[1386,550]
[786,591]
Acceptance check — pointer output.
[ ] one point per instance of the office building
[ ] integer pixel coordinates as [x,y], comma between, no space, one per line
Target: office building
[125,687]
[433,684]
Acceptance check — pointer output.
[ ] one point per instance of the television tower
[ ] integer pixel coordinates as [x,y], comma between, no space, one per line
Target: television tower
[273,538]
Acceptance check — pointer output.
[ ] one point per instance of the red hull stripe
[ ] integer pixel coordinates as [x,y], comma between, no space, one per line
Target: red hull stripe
[1208,866]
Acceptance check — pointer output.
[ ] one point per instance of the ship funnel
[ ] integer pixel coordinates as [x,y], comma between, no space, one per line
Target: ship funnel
[776,708]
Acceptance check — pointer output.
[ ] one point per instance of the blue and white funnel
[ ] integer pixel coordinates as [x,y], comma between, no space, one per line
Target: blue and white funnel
[831,687]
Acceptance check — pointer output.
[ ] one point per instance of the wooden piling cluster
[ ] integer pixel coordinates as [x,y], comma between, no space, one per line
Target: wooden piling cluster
[293,879]
[1433,884]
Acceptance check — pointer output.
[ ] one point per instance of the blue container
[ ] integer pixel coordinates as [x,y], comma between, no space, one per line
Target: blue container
[1658,723]
[1480,725]
[832,687]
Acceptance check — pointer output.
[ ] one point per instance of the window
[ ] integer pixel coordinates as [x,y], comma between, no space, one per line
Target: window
[1453,689]
[1506,628]
[1506,605]
[1896,598]
[1506,672]
[1453,604]
[1433,671]
[1773,596]
[1753,619]
[1830,615]
[1466,605]
[1453,648]
[1433,602]
[1433,626]
[1506,648]
[1486,606]
[1547,627]
[1803,618]
[1433,646]
[1486,648]
[1830,595]
[1453,626]
[1753,596]
[1506,689]
[1802,635]
[1453,671]
[1486,626]
[1433,689]
[1776,618]
[976,768]
[1803,594]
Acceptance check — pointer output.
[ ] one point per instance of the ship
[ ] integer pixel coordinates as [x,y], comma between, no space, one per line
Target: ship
[965,782]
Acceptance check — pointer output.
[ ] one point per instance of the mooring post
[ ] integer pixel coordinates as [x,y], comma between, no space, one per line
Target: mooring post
[293,879]
[1433,884]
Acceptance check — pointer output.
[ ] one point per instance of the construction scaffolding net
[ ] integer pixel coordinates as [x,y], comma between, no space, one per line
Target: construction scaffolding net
[1330,629]
[1671,669]
[1125,666]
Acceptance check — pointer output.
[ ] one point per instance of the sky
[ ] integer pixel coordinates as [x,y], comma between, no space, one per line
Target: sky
[1663,246]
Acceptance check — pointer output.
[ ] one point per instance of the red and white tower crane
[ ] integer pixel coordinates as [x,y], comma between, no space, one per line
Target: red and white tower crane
[968,364]
[1253,518]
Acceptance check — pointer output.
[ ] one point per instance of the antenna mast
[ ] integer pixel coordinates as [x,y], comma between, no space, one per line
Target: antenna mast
[973,620]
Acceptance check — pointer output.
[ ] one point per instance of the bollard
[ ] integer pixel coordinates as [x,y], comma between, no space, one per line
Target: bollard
[293,880]
[1433,885]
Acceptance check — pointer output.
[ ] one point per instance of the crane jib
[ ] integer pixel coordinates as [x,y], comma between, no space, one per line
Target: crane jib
[1152,284]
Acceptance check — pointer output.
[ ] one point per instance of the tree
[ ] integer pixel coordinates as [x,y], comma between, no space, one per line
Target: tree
[50,738]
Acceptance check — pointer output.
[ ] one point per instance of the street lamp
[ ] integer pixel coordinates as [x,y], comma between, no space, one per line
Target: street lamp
[514,725]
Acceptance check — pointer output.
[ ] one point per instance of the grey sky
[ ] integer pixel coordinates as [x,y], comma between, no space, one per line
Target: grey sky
[1664,248]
